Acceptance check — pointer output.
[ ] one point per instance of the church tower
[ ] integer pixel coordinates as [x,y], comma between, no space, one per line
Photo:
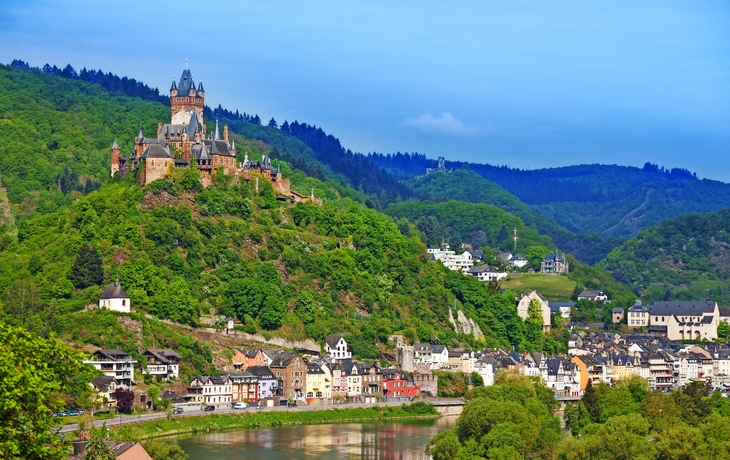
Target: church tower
[115,157]
[185,98]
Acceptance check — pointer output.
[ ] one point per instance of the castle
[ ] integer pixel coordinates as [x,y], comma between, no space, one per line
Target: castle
[184,143]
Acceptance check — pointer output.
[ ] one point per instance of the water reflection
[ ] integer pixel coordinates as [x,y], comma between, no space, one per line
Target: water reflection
[390,440]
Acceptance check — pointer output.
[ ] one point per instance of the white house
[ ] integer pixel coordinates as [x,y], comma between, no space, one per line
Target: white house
[336,347]
[518,261]
[592,295]
[523,306]
[163,364]
[115,363]
[115,298]
[486,273]
[215,389]
[451,260]
[485,367]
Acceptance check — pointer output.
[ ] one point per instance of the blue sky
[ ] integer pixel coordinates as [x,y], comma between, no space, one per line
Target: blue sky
[530,84]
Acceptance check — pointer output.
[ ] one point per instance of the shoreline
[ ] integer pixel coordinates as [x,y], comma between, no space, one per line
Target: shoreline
[241,421]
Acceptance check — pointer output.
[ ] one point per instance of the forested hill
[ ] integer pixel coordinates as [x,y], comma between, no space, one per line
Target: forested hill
[465,185]
[680,258]
[611,200]
[292,271]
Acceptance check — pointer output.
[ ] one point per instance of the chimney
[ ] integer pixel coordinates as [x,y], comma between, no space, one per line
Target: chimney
[79,447]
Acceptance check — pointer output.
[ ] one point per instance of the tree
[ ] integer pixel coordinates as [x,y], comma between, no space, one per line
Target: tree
[534,324]
[124,399]
[87,269]
[35,374]
[97,448]
[723,330]
[591,402]
[22,299]
[153,395]
[272,123]
[159,450]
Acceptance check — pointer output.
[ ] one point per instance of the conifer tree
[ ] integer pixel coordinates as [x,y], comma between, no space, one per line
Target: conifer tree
[591,402]
[87,269]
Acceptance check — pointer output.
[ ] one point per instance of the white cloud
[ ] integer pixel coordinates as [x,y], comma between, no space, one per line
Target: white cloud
[444,123]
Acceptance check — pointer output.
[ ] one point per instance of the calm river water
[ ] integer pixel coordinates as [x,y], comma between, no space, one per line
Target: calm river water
[384,440]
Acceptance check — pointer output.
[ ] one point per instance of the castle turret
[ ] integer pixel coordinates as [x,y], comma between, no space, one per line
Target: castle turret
[216,134]
[225,133]
[201,91]
[187,99]
[115,157]
[173,89]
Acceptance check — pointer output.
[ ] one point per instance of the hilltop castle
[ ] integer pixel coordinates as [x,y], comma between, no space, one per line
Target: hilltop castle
[184,143]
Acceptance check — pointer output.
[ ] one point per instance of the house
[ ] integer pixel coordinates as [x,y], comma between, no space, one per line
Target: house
[484,366]
[292,370]
[244,387]
[476,255]
[115,363]
[638,316]
[561,309]
[104,386]
[267,384]
[216,389]
[523,305]
[163,364]
[398,386]
[339,382]
[724,314]
[336,347]
[371,379]
[617,314]
[561,376]
[461,360]
[684,320]
[114,297]
[353,380]
[451,260]
[518,261]
[554,263]
[486,273]
[243,358]
[317,385]
[595,296]
[590,369]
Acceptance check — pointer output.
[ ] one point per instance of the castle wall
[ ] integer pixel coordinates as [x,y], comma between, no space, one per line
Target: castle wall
[187,103]
[115,161]
[429,383]
[154,168]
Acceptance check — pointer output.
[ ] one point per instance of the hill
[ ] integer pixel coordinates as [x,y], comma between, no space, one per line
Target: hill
[610,200]
[681,258]
[465,185]
[293,271]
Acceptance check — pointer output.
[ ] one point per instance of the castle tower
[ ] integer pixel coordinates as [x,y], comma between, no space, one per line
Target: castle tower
[186,99]
[115,157]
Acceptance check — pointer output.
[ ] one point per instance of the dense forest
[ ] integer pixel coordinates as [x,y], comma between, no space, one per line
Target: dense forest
[613,201]
[294,271]
[684,258]
[514,419]
[464,184]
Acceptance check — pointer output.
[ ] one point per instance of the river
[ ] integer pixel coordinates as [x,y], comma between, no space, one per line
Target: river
[404,439]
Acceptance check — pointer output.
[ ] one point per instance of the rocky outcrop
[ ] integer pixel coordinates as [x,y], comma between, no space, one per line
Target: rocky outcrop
[464,325]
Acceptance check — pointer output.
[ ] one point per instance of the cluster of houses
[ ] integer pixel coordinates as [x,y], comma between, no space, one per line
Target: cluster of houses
[263,377]
[554,263]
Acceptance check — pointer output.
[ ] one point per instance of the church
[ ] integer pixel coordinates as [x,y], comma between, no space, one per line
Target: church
[184,143]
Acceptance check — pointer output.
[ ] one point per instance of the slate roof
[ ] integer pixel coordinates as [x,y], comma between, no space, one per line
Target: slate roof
[518,257]
[262,372]
[332,340]
[437,348]
[555,306]
[617,310]
[114,354]
[103,382]
[186,82]
[156,151]
[481,269]
[724,311]
[248,352]
[682,308]
[114,291]
[164,355]
[314,369]
[283,359]
[591,294]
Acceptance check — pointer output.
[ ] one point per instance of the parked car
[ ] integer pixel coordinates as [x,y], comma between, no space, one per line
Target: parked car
[178,410]
[209,408]
[239,405]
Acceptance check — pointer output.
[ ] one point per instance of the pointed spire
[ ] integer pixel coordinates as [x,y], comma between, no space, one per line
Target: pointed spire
[186,61]
[174,85]
[217,134]
[212,145]
[115,146]
[140,135]
[200,87]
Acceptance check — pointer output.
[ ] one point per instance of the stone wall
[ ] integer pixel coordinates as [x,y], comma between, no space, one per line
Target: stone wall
[429,383]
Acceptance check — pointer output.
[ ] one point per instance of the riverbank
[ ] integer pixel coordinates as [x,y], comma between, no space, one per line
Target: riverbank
[252,419]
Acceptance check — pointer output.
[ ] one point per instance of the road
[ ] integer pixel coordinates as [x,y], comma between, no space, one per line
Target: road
[196,412]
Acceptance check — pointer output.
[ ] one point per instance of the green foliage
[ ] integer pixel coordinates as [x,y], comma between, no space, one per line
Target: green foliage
[38,376]
[87,269]
[679,259]
[97,448]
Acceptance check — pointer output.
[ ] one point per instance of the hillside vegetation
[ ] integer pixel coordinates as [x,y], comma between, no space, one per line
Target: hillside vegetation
[610,200]
[465,185]
[680,258]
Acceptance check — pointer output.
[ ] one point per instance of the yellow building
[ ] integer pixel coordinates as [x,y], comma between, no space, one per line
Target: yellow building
[317,382]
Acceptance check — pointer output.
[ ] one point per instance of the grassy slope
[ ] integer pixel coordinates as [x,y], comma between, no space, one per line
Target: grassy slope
[556,288]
